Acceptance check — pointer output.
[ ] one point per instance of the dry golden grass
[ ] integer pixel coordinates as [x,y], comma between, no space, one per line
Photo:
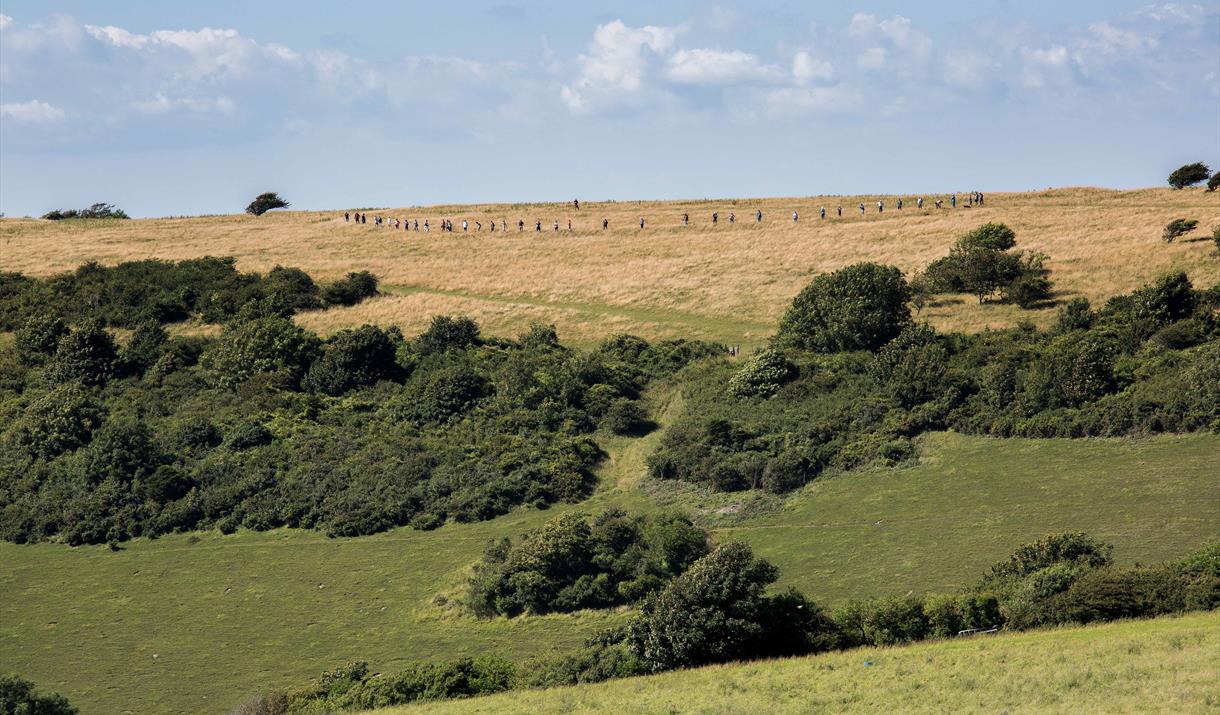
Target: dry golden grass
[727,282]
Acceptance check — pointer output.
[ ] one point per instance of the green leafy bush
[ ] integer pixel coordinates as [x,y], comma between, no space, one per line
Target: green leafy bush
[1177,228]
[860,307]
[353,359]
[354,288]
[980,264]
[717,611]
[18,696]
[573,562]
[266,202]
[1189,175]
[263,345]
[762,375]
[95,211]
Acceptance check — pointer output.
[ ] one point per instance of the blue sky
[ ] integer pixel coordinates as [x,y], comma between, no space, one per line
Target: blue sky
[168,108]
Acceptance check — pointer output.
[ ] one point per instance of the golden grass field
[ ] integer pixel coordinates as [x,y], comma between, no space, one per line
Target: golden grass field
[729,282]
[1166,665]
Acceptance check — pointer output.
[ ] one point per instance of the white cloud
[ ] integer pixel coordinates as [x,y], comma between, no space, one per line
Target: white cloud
[873,58]
[616,62]
[5,21]
[807,69]
[719,67]
[798,101]
[33,111]
[161,104]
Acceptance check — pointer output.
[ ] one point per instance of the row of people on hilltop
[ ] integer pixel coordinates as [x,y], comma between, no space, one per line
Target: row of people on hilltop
[974,198]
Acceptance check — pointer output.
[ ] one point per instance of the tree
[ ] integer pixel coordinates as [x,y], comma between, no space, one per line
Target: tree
[448,333]
[58,421]
[1066,547]
[716,611]
[354,288]
[1178,227]
[18,697]
[87,355]
[265,202]
[992,236]
[860,307]
[38,336]
[353,359]
[264,345]
[1189,175]
[1214,182]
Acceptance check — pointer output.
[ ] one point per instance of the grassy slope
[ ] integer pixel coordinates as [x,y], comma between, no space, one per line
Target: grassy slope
[726,283]
[232,614]
[1162,665]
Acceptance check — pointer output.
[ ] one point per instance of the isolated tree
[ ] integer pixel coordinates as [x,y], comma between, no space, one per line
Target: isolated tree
[1214,182]
[1189,175]
[266,202]
[860,307]
[1178,227]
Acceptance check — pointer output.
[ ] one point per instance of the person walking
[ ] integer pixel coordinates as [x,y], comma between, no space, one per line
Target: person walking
[953,201]
[346,217]
[880,207]
[823,213]
[840,211]
[641,223]
[899,203]
[732,218]
[576,204]
[685,219]
[569,225]
[556,224]
[861,208]
[605,223]
[538,226]
[715,217]
[795,217]
[919,203]
[758,216]
[520,225]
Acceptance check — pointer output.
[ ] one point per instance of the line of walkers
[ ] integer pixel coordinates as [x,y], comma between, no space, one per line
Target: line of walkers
[974,198]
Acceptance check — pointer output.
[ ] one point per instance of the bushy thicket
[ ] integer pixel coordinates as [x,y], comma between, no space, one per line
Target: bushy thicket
[130,294]
[18,696]
[573,562]
[268,425]
[718,610]
[94,211]
[1146,362]
[982,265]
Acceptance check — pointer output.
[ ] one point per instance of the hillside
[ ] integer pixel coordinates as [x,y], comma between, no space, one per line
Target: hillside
[727,283]
[1160,665]
[154,628]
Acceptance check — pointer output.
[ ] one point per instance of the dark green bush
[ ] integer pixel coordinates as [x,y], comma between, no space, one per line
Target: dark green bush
[353,359]
[448,333]
[87,355]
[354,288]
[573,562]
[625,416]
[860,307]
[717,611]
[1066,547]
[266,202]
[263,345]
[39,336]
[1177,228]
[1189,175]
[99,210]
[18,696]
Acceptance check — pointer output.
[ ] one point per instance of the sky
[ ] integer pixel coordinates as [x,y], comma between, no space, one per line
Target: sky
[174,108]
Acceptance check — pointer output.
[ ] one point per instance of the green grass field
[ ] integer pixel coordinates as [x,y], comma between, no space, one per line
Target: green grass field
[1164,665]
[193,624]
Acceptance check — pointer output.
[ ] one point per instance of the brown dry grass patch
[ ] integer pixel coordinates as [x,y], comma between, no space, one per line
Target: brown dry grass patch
[724,282]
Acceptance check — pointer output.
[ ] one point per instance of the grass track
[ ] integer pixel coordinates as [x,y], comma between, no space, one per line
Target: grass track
[1164,665]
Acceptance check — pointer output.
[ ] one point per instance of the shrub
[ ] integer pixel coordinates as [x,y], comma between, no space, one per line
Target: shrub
[18,696]
[1066,547]
[1178,227]
[264,345]
[1189,175]
[352,359]
[58,421]
[249,435]
[625,416]
[354,288]
[351,687]
[266,202]
[1214,182]
[989,236]
[860,307]
[144,347]
[913,366]
[716,611]
[1076,314]
[949,615]
[763,375]
[87,355]
[1110,594]
[448,333]
[99,210]
[572,562]
[39,336]
[1028,289]
[294,287]
[887,621]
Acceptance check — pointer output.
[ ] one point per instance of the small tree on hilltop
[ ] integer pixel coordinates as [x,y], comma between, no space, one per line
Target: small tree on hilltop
[1189,175]
[1214,182]
[266,202]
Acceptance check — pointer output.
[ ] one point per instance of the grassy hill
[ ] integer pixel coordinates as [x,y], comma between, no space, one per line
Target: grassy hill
[194,623]
[728,282]
[1163,665]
